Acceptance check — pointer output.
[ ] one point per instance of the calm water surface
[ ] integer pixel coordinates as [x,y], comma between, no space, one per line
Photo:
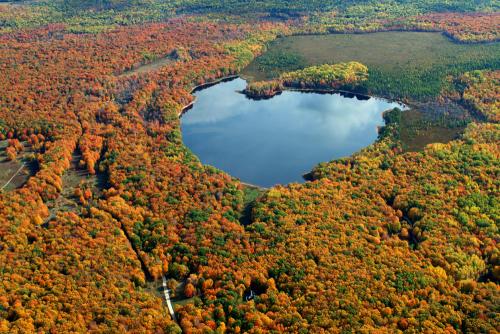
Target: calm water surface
[276,141]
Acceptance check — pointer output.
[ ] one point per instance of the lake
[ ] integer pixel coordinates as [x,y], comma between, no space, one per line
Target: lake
[276,141]
[412,66]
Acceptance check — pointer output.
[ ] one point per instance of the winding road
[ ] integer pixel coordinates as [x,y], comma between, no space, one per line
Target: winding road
[167,299]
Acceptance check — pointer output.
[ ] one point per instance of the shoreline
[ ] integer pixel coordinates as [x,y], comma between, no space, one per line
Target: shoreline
[305,176]
[325,91]
[404,105]
[292,89]
[253,186]
[202,86]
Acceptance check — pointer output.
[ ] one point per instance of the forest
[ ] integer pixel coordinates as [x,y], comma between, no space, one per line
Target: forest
[336,76]
[413,65]
[111,202]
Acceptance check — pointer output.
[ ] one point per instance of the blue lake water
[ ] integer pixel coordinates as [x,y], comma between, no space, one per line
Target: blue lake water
[276,141]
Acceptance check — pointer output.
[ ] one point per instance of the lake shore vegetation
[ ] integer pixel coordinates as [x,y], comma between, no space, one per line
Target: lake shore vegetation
[323,77]
[382,241]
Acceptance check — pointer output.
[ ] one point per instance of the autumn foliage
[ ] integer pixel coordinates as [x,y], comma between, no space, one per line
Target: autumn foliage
[381,241]
[323,77]
[477,27]
[327,76]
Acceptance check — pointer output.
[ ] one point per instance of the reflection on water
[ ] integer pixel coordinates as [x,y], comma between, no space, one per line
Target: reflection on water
[276,141]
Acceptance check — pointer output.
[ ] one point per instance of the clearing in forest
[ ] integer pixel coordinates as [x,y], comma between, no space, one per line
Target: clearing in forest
[15,173]
[75,181]
[153,66]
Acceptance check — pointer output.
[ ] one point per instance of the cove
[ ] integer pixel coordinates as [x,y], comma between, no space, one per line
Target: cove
[276,141]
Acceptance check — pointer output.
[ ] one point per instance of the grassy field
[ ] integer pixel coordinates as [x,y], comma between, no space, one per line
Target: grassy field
[419,127]
[410,66]
[153,66]
[402,64]
[13,174]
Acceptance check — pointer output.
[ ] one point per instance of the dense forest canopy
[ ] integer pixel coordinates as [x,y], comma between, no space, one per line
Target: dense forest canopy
[94,15]
[289,6]
[100,201]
